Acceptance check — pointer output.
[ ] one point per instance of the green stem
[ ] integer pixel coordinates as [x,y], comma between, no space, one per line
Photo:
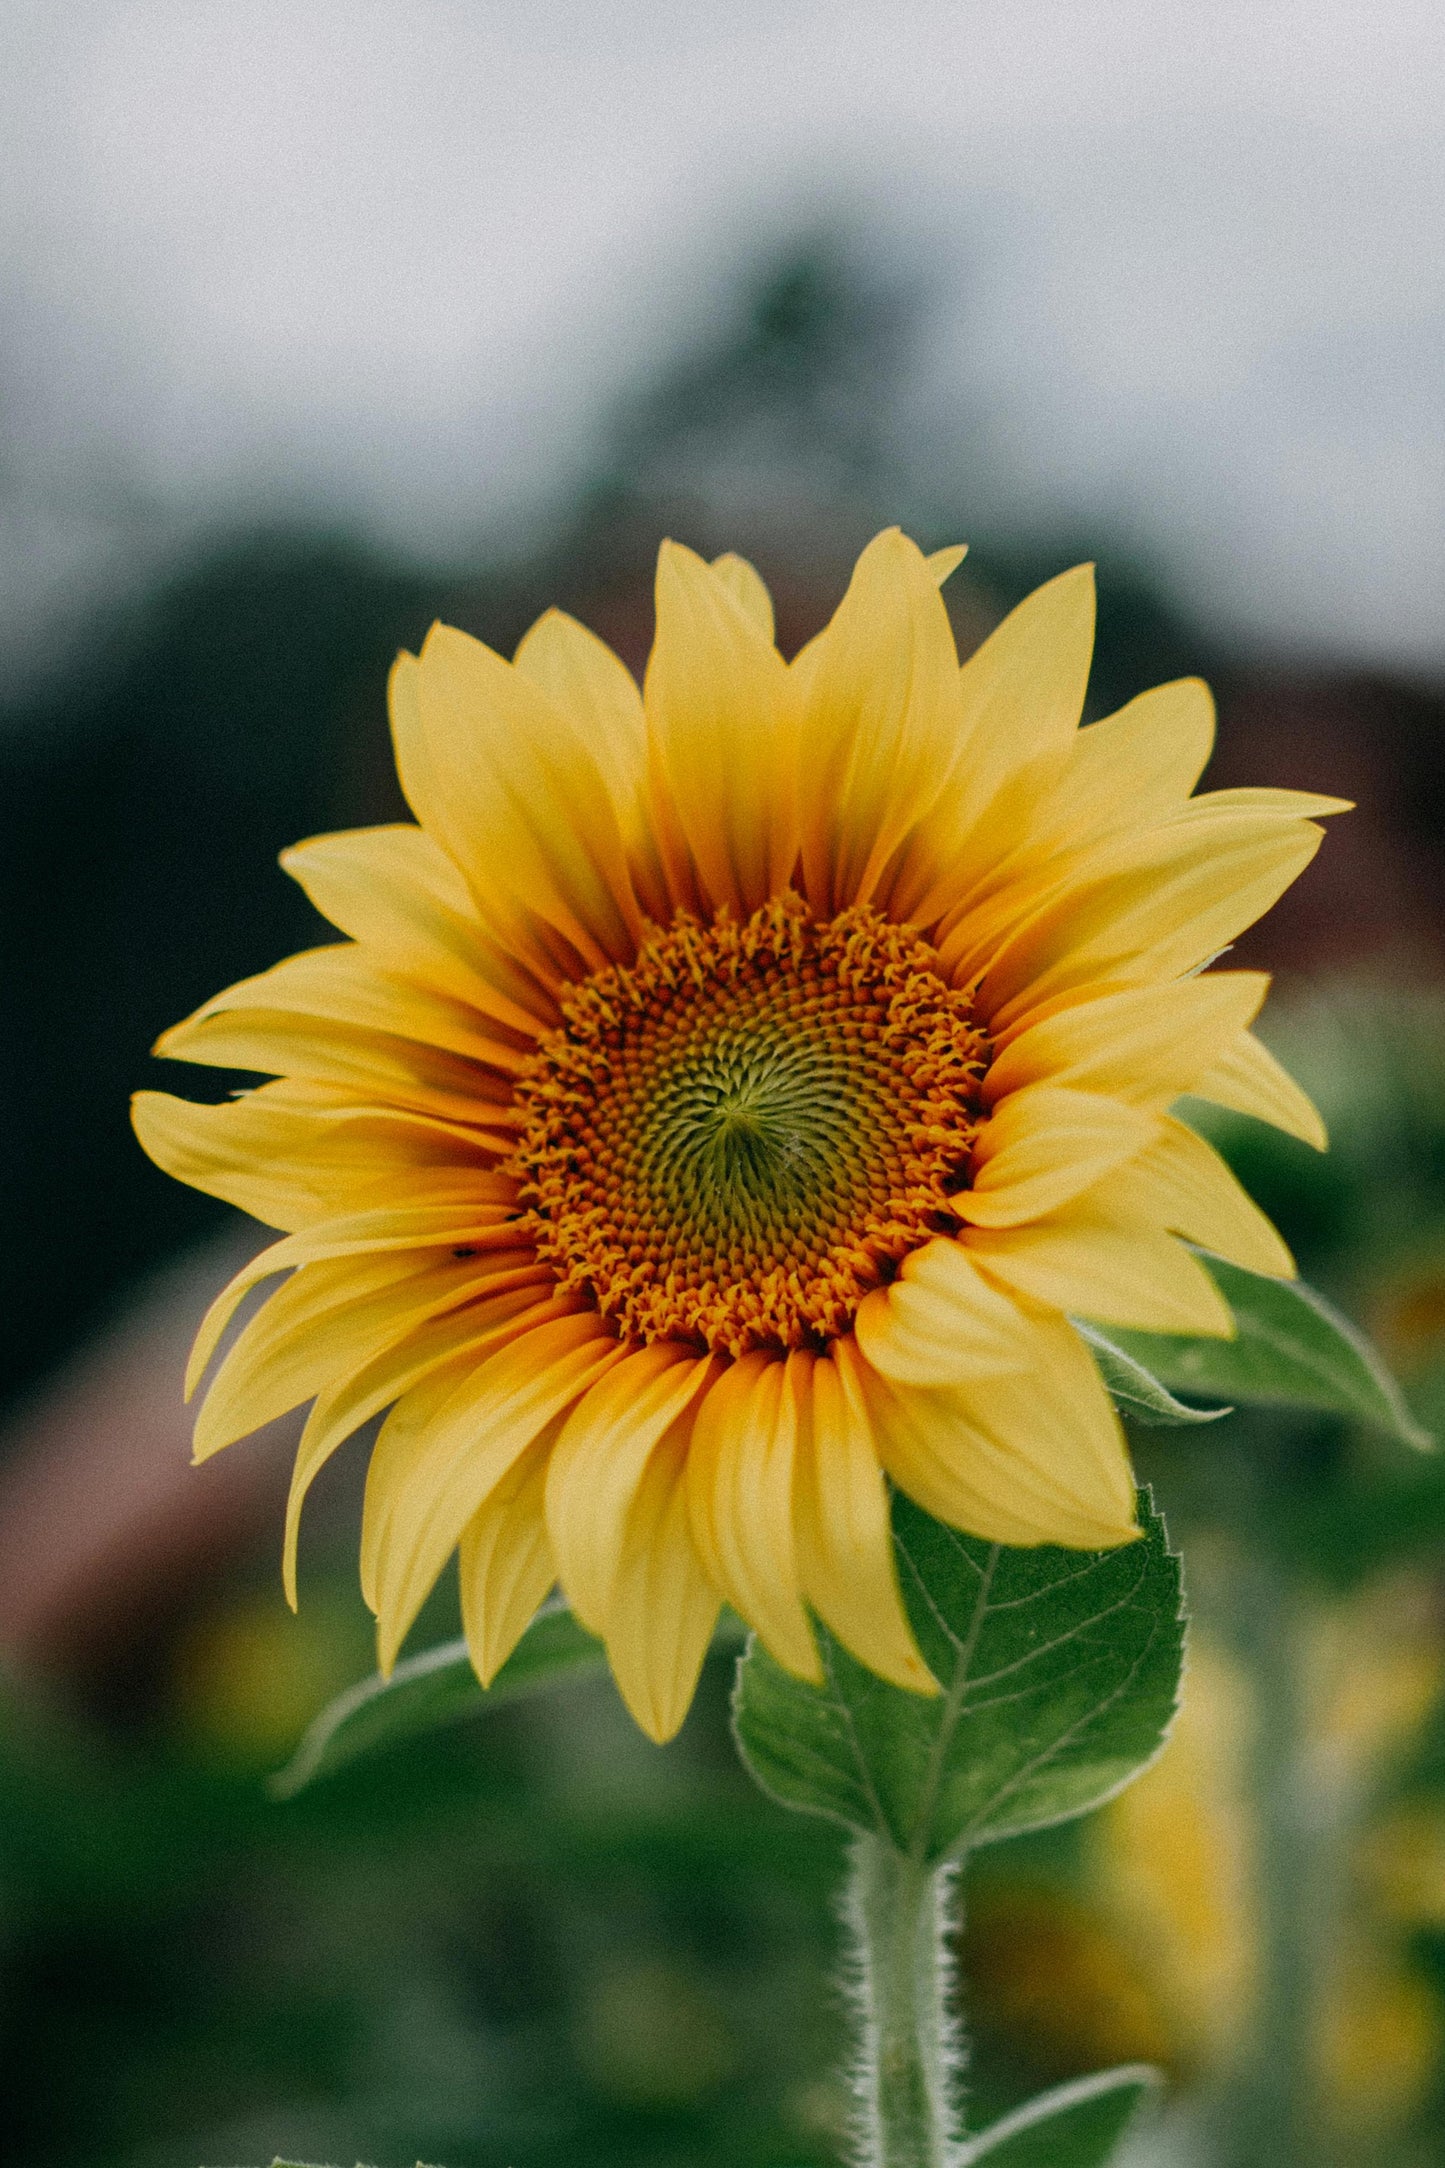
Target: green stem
[908,2069]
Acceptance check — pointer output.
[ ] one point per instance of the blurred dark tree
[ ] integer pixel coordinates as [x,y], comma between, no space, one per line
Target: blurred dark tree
[782,420]
[141,810]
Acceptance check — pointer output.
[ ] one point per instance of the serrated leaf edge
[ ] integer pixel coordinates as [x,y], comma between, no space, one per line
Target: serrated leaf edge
[960,1847]
[964,1843]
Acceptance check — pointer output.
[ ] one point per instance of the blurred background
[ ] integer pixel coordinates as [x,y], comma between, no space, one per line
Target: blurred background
[319,321]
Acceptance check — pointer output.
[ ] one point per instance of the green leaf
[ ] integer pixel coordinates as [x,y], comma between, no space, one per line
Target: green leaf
[1292,1349]
[1136,1390]
[434,1689]
[1060,1672]
[1074,2126]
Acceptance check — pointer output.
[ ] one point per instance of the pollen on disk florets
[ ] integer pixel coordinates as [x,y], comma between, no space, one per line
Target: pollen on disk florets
[732,1140]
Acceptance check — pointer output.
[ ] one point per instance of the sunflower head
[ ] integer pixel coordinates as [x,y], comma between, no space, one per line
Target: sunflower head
[724,1095]
[733,1139]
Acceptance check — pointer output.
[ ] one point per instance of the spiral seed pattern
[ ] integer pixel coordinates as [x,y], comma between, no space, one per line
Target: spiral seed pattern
[731,1141]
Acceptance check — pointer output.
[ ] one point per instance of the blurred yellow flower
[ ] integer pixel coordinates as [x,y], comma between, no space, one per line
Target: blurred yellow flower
[1403,1865]
[724,1097]
[248,1678]
[1376,1669]
[1379,2040]
[1175,1860]
[1052,1976]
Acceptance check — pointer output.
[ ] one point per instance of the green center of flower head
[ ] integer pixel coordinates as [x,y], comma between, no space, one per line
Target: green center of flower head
[749,1130]
[734,1139]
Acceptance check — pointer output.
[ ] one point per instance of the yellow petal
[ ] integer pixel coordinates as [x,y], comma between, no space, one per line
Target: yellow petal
[748,590]
[1146,1045]
[1059,1417]
[404,1434]
[342,1408]
[1296,804]
[1248,1079]
[396,891]
[1044,1146]
[882,721]
[323,1322]
[1146,908]
[292,1153]
[342,985]
[438,1228]
[1035,1458]
[663,1608]
[508,785]
[1021,695]
[437,1460]
[940,1321]
[1023,691]
[1091,1262]
[720,716]
[351,1058]
[970,936]
[429,786]
[362,1066]
[506,1563]
[938,1458]
[599,1460]
[740,1477]
[845,1538]
[1183,1184]
[580,675]
[1135,766]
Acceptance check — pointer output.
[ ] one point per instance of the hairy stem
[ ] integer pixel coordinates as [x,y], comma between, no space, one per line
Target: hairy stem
[910,2052]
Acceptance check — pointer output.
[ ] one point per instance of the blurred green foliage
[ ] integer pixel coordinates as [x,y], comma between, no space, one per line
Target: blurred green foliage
[533,1940]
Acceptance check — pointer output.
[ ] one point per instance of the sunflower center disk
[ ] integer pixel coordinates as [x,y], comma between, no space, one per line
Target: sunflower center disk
[734,1139]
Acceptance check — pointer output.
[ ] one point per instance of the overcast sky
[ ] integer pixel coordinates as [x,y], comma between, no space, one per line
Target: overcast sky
[400,254]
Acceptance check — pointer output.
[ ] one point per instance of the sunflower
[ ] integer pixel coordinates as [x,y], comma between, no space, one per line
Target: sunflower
[723,1099]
